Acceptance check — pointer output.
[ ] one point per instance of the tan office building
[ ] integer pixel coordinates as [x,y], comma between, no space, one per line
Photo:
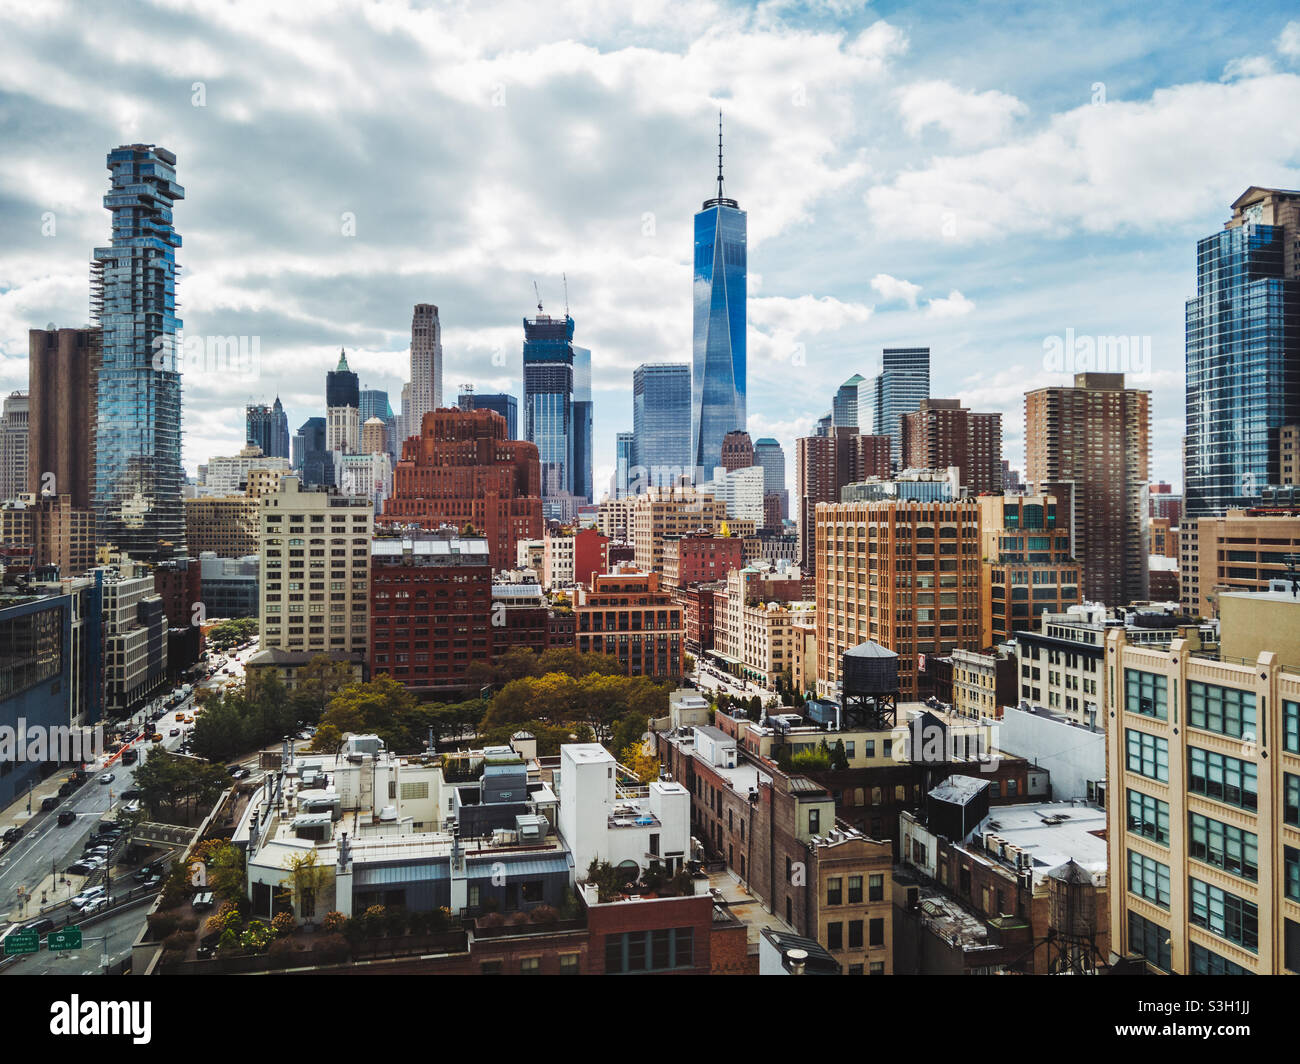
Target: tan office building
[227,525]
[1203,771]
[1241,551]
[662,514]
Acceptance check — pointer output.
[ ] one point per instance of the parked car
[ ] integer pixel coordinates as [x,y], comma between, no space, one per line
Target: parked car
[66,789]
[94,863]
[143,874]
[107,777]
[13,835]
[88,895]
[94,905]
[49,803]
[67,817]
[132,792]
[78,868]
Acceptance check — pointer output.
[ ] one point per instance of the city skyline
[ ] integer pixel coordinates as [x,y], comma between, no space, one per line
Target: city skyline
[983,300]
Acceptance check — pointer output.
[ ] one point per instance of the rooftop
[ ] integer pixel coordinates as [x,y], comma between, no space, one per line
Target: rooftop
[1052,834]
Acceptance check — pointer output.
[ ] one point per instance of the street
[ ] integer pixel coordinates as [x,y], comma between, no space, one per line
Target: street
[120,930]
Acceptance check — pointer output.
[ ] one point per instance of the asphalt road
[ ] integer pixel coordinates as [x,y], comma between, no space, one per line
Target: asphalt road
[112,936]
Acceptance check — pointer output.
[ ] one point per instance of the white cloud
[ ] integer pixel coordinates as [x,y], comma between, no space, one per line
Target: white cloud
[1248,66]
[954,305]
[970,119]
[893,289]
[1288,41]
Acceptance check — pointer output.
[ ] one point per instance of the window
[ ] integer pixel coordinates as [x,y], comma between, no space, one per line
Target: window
[1226,915]
[1146,694]
[855,934]
[1149,940]
[835,891]
[876,968]
[1225,779]
[1291,727]
[1147,755]
[835,936]
[532,891]
[1291,874]
[876,929]
[1148,817]
[814,821]
[568,964]
[855,969]
[490,968]
[641,951]
[1225,846]
[876,888]
[1291,799]
[855,890]
[1225,710]
[1205,962]
[530,966]
[1148,878]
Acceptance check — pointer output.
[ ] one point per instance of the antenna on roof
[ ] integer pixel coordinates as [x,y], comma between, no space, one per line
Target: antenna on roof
[538,292]
[719,153]
[566,293]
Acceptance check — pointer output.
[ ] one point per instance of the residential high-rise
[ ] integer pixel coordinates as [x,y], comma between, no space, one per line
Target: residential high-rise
[921,564]
[1097,434]
[718,375]
[63,384]
[14,445]
[583,426]
[627,615]
[502,402]
[846,408]
[904,380]
[268,428]
[824,466]
[548,405]
[342,409]
[138,474]
[337,526]
[771,457]
[425,392]
[661,425]
[942,433]
[1203,794]
[463,471]
[662,514]
[737,450]
[1243,353]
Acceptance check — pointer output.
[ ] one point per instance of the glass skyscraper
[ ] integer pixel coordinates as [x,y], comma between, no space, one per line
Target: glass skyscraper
[620,487]
[503,403]
[268,427]
[1243,353]
[903,382]
[548,401]
[845,407]
[583,423]
[138,475]
[661,425]
[718,380]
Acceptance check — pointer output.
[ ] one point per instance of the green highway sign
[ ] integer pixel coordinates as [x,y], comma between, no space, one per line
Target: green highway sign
[22,942]
[68,938]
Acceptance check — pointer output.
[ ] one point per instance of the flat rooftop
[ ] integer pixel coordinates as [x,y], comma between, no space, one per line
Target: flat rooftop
[1052,833]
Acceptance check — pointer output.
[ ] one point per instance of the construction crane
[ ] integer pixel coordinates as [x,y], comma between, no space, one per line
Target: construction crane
[538,292]
[566,293]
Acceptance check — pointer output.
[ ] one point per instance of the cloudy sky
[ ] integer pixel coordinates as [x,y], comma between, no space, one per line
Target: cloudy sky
[976,178]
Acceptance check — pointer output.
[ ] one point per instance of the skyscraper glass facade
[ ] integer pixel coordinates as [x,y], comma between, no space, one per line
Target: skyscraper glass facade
[621,486]
[138,475]
[502,402]
[845,409]
[583,423]
[769,455]
[268,428]
[903,382]
[661,425]
[548,399]
[1243,367]
[718,380]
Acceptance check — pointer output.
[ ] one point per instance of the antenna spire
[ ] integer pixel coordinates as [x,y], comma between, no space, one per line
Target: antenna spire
[719,153]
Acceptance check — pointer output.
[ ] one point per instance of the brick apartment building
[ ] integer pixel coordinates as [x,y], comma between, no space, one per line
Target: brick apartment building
[942,433]
[627,615]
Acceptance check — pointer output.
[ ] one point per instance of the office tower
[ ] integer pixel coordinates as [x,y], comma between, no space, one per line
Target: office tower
[1097,434]
[426,367]
[548,404]
[771,457]
[845,410]
[1027,565]
[14,445]
[226,525]
[583,425]
[620,484]
[1244,550]
[1203,793]
[921,563]
[374,403]
[741,491]
[138,475]
[230,474]
[737,450]
[718,376]
[462,470]
[825,424]
[308,449]
[268,427]
[374,437]
[661,425]
[340,527]
[904,380]
[63,385]
[942,433]
[503,403]
[1243,352]
[342,409]
[824,466]
[663,514]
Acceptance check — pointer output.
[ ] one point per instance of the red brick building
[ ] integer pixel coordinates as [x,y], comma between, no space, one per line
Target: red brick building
[625,614]
[943,433]
[461,470]
[697,603]
[590,554]
[699,559]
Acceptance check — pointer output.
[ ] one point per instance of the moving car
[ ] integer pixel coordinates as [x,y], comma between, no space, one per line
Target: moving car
[67,817]
[107,777]
[49,803]
[87,896]
[131,792]
[174,732]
